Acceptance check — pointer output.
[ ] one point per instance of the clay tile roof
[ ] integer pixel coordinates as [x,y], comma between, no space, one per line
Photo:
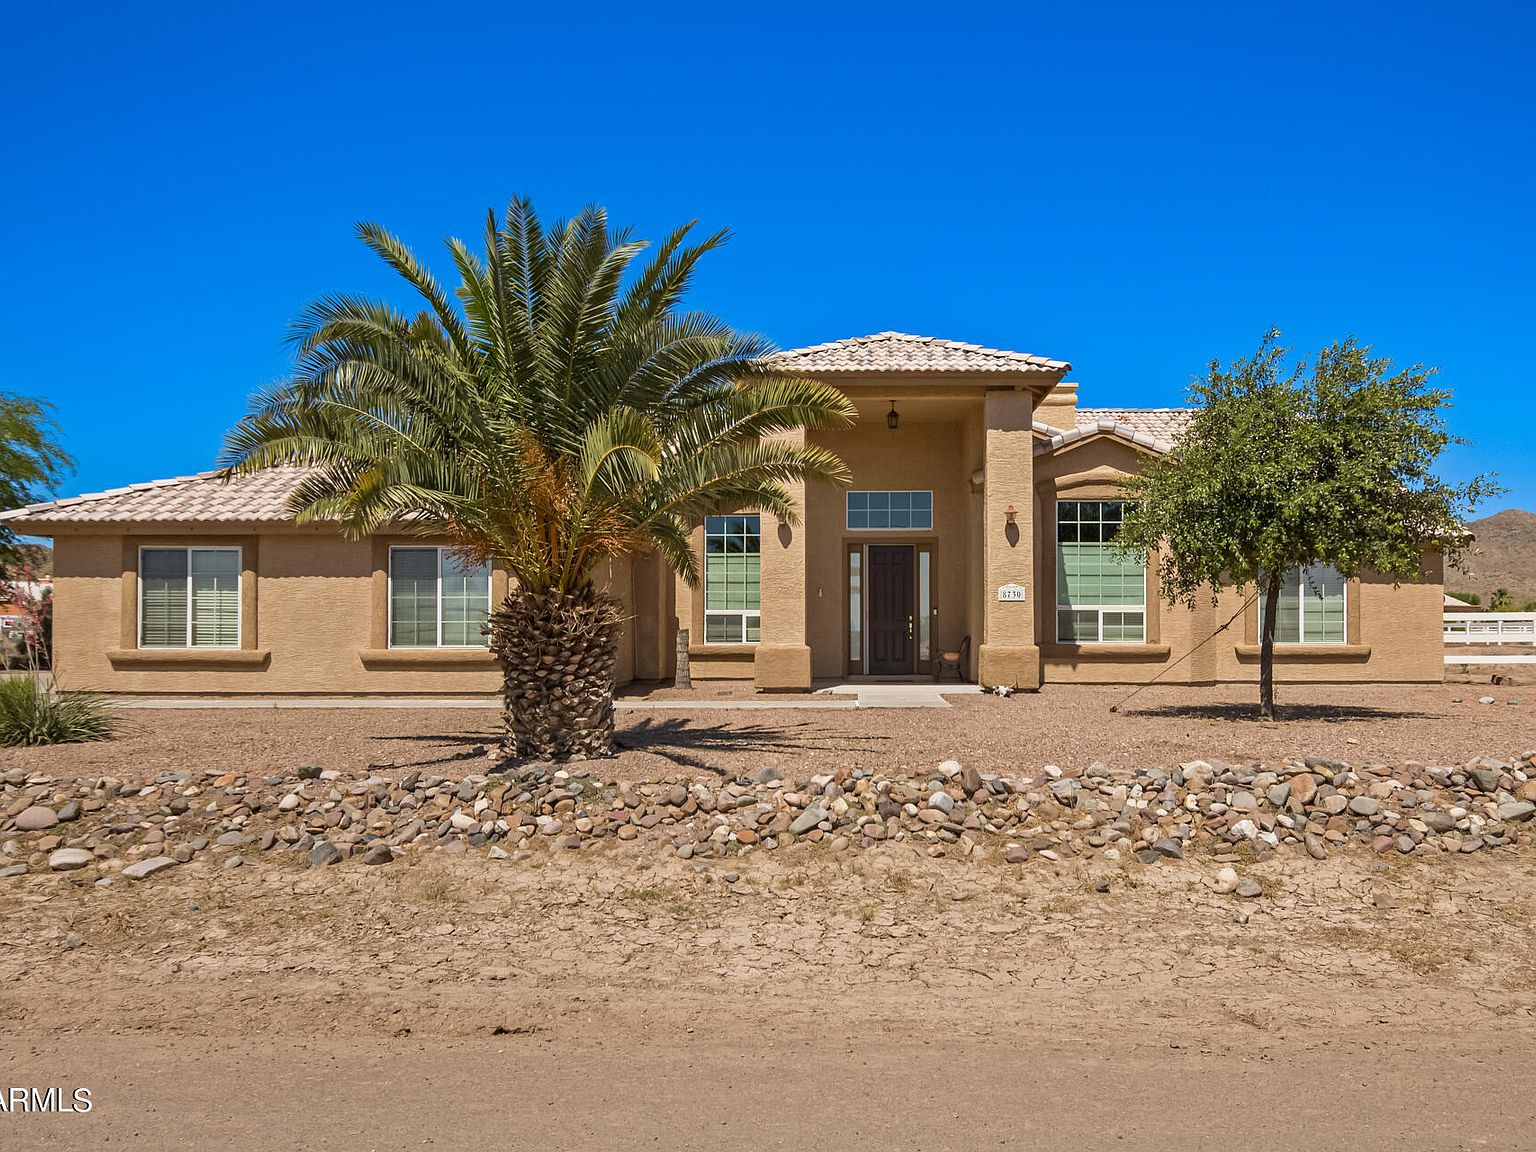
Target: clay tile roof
[1161,423]
[255,497]
[899,352]
[1155,429]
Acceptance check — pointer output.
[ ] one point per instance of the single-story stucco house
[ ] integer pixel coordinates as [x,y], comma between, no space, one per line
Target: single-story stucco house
[976,524]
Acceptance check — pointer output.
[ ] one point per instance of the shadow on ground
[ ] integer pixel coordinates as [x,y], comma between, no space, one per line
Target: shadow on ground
[684,741]
[449,748]
[1331,713]
[678,738]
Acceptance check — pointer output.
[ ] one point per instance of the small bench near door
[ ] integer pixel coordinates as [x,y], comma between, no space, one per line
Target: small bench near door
[953,661]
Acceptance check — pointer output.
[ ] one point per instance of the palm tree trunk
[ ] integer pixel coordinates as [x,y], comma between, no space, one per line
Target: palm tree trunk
[557,652]
[1267,648]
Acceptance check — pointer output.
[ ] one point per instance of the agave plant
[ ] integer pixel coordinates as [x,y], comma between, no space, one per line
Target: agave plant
[560,409]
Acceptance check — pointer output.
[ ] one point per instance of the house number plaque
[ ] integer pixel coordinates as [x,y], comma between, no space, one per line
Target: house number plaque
[1010,592]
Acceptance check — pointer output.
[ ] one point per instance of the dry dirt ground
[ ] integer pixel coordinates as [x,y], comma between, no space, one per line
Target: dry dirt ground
[1071,726]
[618,998]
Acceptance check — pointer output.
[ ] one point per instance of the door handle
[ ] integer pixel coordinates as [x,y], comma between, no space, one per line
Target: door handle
[909,627]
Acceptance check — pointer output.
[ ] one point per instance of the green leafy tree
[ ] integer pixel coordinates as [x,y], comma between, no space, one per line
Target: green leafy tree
[559,409]
[1289,463]
[31,465]
[1501,601]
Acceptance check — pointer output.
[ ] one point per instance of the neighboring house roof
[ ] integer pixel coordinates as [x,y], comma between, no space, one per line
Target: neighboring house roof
[900,352]
[256,497]
[1155,429]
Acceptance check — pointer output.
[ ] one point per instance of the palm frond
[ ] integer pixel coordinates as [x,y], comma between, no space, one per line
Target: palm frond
[557,407]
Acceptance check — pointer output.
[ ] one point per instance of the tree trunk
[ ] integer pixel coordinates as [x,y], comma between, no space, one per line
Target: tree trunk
[683,678]
[1267,648]
[557,652]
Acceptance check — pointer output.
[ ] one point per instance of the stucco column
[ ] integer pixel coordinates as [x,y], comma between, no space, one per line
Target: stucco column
[654,617]
[782,661]
[1008,653]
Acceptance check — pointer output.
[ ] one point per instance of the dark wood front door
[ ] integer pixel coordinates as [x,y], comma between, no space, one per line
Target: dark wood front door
[890,610]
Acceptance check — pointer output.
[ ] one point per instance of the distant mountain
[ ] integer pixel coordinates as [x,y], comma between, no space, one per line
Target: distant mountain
[36,561]
[1503,556]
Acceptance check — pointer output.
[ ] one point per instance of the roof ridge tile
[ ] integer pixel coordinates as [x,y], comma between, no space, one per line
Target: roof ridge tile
[904,351]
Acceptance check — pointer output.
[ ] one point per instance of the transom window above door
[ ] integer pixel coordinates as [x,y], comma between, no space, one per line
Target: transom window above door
[437,600]
[879,511]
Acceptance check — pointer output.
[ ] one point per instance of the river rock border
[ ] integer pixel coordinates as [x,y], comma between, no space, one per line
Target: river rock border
[1313,807]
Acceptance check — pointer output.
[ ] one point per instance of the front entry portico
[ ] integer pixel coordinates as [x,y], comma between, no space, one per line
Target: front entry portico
[877,578]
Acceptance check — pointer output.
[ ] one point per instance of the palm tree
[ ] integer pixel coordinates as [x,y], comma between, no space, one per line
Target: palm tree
[563,410]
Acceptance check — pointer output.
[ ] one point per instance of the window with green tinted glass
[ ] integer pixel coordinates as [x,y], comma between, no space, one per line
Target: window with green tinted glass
[189,597]
[1312,607]
[732,579]
[1101,594]
[436,600]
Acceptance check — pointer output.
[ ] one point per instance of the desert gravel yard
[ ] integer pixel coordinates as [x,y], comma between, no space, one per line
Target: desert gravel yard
[1071,726]
[651,991]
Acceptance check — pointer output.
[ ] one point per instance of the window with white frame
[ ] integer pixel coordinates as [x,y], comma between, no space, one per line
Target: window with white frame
[436,600]
[189,597]
[1312,607]
[733,554]
[890,510]
[1101,593]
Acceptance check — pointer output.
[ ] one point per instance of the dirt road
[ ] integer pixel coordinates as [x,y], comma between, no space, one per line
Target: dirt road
[880,1001]
[828,1084]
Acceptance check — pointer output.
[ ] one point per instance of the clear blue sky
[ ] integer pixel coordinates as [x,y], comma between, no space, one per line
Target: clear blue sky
[1132,187]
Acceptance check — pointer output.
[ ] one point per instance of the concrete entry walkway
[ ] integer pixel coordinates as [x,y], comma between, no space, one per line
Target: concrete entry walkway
[915,693]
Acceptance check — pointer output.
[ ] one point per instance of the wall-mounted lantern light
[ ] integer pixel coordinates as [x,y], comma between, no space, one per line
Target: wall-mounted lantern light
[892,418]
[1011,514]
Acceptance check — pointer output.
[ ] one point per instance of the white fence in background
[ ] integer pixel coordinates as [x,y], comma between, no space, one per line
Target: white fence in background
[1490,627]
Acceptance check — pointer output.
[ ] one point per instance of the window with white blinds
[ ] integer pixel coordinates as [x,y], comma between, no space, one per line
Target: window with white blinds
[436,600]
[189,597]
[1313,606]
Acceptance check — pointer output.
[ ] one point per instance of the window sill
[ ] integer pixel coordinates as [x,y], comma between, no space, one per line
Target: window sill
[212,658]
[395,658]
[697,650]
[1105,652]
[1300,653]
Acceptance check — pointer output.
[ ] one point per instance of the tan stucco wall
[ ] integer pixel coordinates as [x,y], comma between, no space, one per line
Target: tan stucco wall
[1393,634]
[1008,653]
[782,660]
[317,626]
[974,452]
[1059,407]
[654,626]
[314,602]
